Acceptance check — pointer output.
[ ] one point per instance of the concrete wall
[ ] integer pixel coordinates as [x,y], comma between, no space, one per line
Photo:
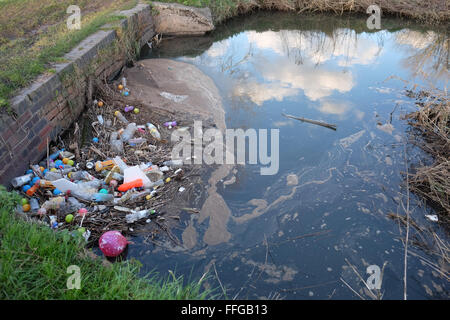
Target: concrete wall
[54,101]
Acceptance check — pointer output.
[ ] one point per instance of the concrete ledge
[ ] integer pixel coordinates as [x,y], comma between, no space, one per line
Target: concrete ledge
[49,105]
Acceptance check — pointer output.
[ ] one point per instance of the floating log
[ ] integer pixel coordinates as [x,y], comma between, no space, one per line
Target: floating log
[319,123]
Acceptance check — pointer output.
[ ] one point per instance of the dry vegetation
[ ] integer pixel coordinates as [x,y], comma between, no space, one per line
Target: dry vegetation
[432,11]
[432,127]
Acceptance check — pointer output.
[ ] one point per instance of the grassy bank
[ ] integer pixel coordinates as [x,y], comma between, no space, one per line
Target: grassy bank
[34,34]
[34,261]
[431,123]
[432,11]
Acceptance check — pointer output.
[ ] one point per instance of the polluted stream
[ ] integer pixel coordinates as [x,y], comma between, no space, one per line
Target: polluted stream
[311,230]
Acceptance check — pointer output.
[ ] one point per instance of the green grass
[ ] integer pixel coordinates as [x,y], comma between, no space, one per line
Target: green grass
[34,261]
[26,51]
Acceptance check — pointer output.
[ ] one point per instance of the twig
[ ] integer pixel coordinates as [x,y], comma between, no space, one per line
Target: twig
[220,283]
[407,229]
[319,123]
[352,289]
[302,236]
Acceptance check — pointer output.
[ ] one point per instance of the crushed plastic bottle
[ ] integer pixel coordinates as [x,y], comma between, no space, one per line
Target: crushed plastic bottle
[128,133]
[20,181]
[52,176]
[173,163]
[116,143]
[34,204]
[138,215]
[54,203]
[120,163]
[81,175]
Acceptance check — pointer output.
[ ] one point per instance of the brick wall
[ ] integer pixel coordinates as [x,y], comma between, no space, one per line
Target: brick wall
[51,104]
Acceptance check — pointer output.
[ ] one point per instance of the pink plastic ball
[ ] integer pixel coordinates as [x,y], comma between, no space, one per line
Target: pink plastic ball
[112,243]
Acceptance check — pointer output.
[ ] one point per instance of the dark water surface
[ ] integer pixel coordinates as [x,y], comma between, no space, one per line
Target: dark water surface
[293,233]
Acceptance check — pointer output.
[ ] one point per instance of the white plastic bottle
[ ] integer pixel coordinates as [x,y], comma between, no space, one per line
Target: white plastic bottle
[20,181]
[154,131]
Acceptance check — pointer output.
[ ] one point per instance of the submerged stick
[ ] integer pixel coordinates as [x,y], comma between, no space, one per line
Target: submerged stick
[319,123]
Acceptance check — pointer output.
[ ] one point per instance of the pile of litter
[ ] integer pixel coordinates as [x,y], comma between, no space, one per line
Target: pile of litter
[118,179]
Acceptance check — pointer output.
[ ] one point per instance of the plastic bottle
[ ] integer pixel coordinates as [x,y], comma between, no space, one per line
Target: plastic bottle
[56,154]
[135,141]
[137,196]
[93,184]
[20,181]
[129,185]
[81,175]
[116,144]
[104,165]
[128,133]
[52,176]
[74,203]
[157,183]
[154,131]
[83,193]
[153,173]
[54,203]
[102,197]
[173,163]
[121,164]
[110,175]
[137,215]
[121,117]
[32,190]
[34,203]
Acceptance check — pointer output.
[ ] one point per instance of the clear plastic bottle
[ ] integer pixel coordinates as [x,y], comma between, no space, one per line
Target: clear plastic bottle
[157,183]
[128,133]
[173,163]
[81,175]
[54,203]
[34,204]
[83,194]
[120,163]
[135,141]
[52,176]
[74,203]
[116,143]
[154,131]
[121,117]
[89,184]
[20,181]
[138,215]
